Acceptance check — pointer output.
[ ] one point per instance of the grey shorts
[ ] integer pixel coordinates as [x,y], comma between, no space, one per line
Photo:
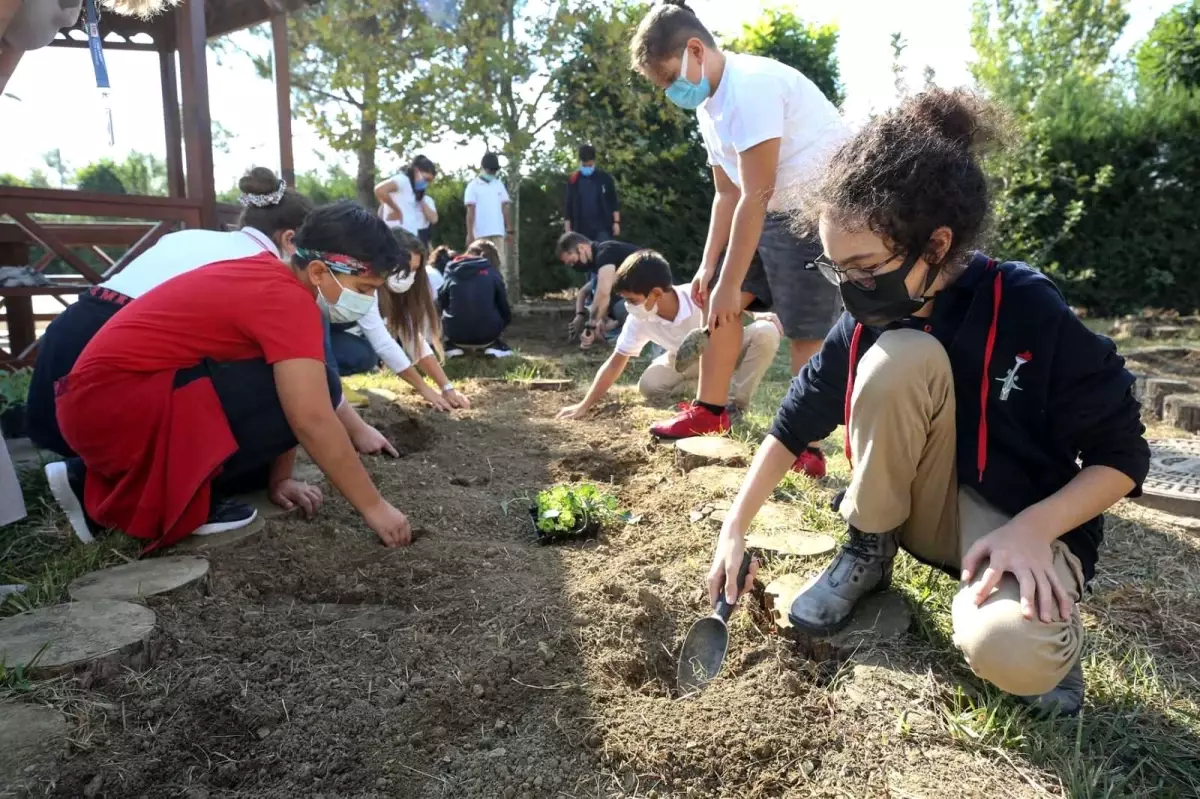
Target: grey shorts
[806,303]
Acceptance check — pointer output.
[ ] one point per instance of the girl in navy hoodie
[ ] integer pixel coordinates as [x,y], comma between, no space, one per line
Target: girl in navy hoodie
[988,429]
[474,302]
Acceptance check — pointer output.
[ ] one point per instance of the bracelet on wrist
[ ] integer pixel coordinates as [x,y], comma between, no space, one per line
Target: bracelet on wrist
[447,387]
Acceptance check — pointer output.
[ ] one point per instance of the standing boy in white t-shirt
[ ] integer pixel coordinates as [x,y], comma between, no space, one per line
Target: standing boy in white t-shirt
[769,132]
[487,208]
[664,313]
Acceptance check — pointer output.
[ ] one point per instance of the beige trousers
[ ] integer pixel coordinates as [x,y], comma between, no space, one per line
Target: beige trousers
[502,245]
[902,439]
[760,342]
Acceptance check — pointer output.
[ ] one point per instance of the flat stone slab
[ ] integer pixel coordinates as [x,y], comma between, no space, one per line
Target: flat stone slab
[1173,484]
[26,455]
[546,384]
[77,633]
[205,543]
[724,480]
[878,619]
[692,453]
[142,578]
[30,735]
[799,543]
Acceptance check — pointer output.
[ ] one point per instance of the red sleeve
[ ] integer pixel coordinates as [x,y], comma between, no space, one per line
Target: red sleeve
[284,321]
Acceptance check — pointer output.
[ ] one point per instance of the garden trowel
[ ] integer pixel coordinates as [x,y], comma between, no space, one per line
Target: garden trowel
[704,648]
[690,349]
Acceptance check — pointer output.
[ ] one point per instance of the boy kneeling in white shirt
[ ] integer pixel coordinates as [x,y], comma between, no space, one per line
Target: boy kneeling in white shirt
[664,313]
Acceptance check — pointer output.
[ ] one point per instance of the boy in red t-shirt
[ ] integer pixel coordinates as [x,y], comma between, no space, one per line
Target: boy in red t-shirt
[216,375]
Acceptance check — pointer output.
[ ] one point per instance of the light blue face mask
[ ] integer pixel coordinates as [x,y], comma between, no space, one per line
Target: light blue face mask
[587,171]
[683,92]
[488,177]
[420,184]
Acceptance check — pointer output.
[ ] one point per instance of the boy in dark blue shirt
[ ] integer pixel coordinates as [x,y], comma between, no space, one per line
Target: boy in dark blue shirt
[987,427]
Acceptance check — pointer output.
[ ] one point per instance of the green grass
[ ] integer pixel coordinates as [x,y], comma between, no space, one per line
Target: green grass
[41,553]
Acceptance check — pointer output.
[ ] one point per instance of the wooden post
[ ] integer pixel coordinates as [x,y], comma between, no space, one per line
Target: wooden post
[9,58]
[171,122]
[283,96]
[191,36]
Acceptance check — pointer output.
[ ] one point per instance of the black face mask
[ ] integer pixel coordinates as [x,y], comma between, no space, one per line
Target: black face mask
[889,301]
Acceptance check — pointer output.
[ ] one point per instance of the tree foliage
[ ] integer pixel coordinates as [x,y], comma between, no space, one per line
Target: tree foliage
[1170,57]
[362,74]
[809,48]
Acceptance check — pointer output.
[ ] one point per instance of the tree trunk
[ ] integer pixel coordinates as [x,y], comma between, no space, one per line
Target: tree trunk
[367,141]
[512,276]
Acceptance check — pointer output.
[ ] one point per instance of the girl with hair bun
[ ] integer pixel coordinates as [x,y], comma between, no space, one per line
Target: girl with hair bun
[988,429]
[767,130]
[272,212]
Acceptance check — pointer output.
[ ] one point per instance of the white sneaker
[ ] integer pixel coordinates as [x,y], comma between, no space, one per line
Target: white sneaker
[453,352]
[495,353]
[68,493]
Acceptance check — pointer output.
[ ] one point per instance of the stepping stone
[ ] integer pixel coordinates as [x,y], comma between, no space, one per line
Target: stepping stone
[546,384]
[63,637]
[1155,390]
[1173,484]
[355,398]
[30,735]
[382,394]
[1182,411]
[804,544]
[724,480]
[878,619]
[205,543]
[692,453]
[143,578]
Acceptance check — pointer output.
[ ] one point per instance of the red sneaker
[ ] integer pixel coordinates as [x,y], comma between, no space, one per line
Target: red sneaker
[692,421]
[811,462]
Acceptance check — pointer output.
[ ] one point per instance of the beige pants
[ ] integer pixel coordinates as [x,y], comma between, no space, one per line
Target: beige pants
[502,245]
[760,342]
[902,438]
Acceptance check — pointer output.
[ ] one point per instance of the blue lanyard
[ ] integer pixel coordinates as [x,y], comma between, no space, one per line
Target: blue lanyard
[94,45]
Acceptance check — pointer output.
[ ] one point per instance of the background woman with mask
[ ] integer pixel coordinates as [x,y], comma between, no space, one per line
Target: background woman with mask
[404,319]
[402,199]
[215,375]
[768,131]
[272,213]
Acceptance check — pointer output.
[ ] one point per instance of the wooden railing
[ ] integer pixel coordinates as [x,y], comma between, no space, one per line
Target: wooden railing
[111,246]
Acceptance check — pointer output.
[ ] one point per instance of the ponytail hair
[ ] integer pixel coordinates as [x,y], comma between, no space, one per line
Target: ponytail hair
[413,314]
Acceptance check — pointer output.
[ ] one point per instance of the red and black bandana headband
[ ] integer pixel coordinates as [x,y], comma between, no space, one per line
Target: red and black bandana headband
[336,261]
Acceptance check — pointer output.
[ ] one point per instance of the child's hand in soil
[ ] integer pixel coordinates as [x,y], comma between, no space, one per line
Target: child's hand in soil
[389,524]
[435,399]
[572,412]
[292,493]
[456,400]
[369,441]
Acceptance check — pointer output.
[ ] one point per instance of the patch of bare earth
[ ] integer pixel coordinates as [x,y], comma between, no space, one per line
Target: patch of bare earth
[476,663]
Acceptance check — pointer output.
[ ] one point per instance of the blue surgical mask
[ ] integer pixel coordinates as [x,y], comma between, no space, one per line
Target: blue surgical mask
[420,184]
[488,177]
[587,171]
[350,306]
[683,92]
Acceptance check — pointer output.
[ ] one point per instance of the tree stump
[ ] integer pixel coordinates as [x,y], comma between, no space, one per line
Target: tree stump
[878,619]
[1182,411]
[205,543]
[693,453]
[1168,331]
[1133,328]
[30,735]
[144,578]
[1157,389]
[1173,484]
[58,639]
[802,544]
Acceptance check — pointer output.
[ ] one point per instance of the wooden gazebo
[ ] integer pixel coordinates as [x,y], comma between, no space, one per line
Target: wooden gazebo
[178,36]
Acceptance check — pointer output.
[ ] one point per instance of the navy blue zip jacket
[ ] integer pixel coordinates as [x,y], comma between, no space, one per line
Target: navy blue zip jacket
[1069,398]
[473,301]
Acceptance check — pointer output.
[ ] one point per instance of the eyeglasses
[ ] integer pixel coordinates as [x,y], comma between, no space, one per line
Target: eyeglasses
[861,276]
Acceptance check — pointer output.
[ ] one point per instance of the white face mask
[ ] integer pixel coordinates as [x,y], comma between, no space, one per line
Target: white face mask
[402,283]
[350,306]
[640,312]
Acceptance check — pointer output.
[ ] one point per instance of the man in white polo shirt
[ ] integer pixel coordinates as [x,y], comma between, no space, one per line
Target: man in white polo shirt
[488,208]
[664,314]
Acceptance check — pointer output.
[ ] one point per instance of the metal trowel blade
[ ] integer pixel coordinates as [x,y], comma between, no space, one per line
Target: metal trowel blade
[702,655]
